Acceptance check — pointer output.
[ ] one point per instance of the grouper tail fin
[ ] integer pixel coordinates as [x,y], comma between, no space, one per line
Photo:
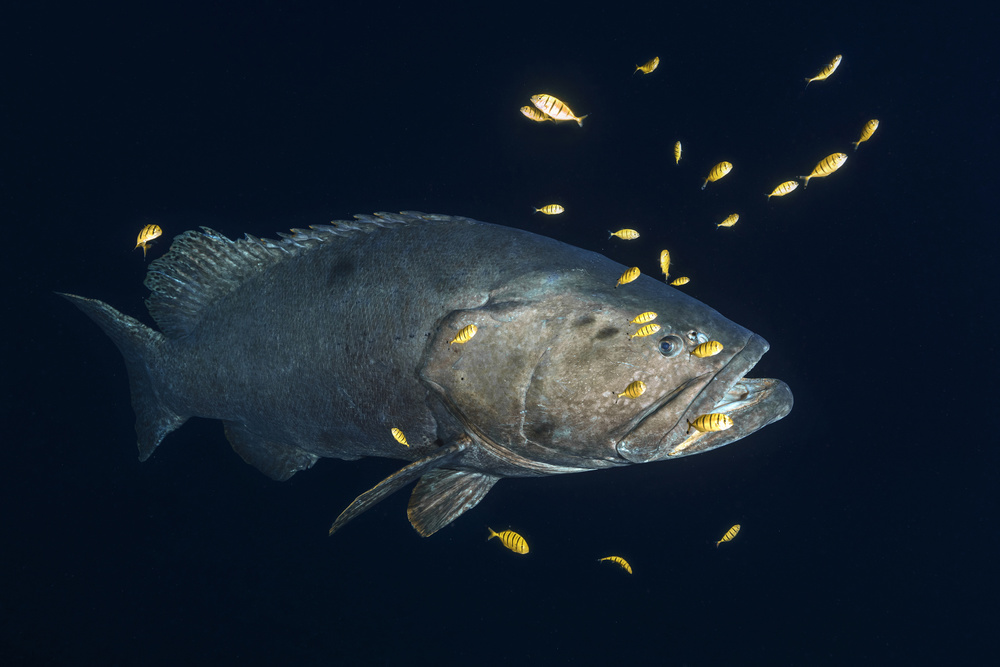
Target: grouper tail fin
[139,345]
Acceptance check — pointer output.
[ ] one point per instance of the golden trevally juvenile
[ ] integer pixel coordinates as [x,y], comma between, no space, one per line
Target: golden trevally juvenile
[634,389]
[146,236]
[619,560]
[555,108]
[665,263]
[647,330]
[628,276]
[642,318]
[718,171]
[730,534]
[550,209]
[714,421]
[509,539]
[826,166]
[783,189]
[867,132]
[626,234]
[826,71]
[709,349]
[649,66]
[400,438]
[729,221]
[677,153]
[683,280]
[464,335]
[534,114]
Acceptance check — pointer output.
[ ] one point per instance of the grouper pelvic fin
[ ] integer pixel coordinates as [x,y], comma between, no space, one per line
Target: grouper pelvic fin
[445,456]
[277,460]
[441,496]
[138,344]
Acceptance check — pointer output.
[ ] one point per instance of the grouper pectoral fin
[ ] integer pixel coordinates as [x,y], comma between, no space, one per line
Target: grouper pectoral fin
[275,459]
[447,455]
[442,496]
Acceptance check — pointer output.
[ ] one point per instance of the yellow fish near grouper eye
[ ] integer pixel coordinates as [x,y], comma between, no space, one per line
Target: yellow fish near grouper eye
[647,330]
[555,108]
[730,534]
[715,421]
[509,539]
[146,236]
[709,349]
[465,334]
[619,560]
[642,318]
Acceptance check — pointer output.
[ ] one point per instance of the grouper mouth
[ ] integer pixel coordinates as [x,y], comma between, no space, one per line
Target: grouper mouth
[751,403]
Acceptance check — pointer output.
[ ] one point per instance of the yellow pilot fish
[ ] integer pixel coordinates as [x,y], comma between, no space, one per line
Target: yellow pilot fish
[709,349]
[642,318]
[718,171]
[550,209]
[146,236]
[628,276]
[619,560]
[730,534]
[649,66]
[647,330]
[783,189]
[826,71]
[534,114]
[634,389]
[730,221]
[867,132]
[677,153]
[465,334]
[400,438]
[683,280]
[509,539]
[665,263]
[715,421]
[625,234]
[555,108]
[826,166]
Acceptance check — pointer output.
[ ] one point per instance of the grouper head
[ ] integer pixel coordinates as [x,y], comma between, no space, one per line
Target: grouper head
[540,388]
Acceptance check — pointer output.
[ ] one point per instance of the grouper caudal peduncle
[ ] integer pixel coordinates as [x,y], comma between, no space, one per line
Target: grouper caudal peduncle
[319,344]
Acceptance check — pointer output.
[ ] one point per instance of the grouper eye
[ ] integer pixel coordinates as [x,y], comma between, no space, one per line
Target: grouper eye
[671,346]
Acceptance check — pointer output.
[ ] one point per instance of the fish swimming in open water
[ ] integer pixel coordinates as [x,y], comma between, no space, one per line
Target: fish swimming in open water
[311,347]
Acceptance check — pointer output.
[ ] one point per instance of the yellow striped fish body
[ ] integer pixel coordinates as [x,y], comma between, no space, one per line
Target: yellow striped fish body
[665,263]
[634,389]
[550,209]
[509,539]
[826,166]
[465,334]
[146,236]
[555,108]
[683,280]
[534,114]
[826,71]
[730,534]
[709,349]
[718,171]
[400,438]
[714,421]
[642,318]
[730,221]
[783,189]
[647,330]
[619,560]
[867,132]
[628,276]
[677,153]
[626,234]
[649,66]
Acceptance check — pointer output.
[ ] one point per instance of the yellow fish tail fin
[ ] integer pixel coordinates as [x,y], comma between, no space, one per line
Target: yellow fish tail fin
[579,121]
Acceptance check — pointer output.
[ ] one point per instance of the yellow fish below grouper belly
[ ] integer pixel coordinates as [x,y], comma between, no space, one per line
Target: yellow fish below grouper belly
[308,347]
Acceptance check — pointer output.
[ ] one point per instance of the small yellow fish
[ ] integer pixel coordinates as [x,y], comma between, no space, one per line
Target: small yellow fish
[730,534]
[647,330]
[718,171]
[709,349]
[618,559]
[649,66]
[509,539]
[550,209]
[642,318]
[784,189]
[730,221]
[867,132]
[683,280]
[628,276]
[400,438]
[534,114]
[826,71]
[626,234]
[665,263]
[555,108]
[146,236]
[826,166]
[715,421]
[677,153]
[634,389]
[465,334]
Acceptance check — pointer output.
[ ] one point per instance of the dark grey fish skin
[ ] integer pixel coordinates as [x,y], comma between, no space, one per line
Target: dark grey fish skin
[319,344]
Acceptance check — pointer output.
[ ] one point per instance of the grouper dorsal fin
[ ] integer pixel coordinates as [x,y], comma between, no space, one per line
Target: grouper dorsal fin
[441,496]
[204,266]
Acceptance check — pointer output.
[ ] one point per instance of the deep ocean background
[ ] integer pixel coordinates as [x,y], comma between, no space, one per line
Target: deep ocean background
[869,514]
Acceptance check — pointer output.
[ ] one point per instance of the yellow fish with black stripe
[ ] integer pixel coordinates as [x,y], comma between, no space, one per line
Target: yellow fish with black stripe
[718,171]
[826,71]
[826,166]
[619,560]
[146,237]
[509,539]
[715,421]
[555,108]
[730,534]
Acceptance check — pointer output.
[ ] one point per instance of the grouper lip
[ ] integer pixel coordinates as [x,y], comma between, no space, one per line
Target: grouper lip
[712,393]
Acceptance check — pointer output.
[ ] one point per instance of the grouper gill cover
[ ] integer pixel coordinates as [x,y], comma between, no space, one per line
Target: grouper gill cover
[321,343]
